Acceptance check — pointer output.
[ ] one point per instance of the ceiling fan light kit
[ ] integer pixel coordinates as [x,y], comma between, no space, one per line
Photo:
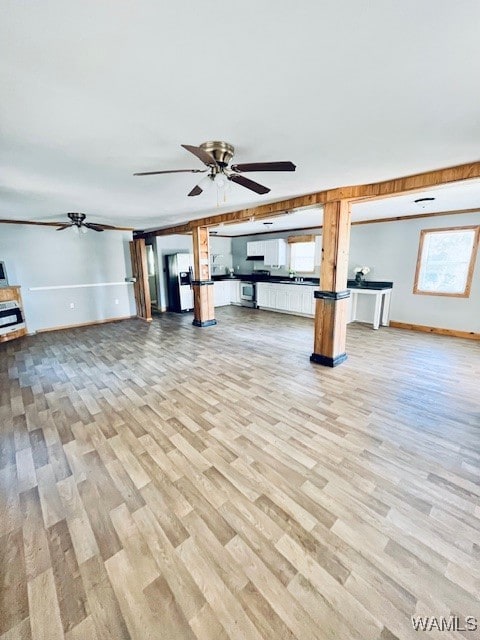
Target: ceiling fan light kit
[216,156]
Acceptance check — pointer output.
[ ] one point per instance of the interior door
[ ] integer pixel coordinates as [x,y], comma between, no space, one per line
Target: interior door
[138,254]
[152,276]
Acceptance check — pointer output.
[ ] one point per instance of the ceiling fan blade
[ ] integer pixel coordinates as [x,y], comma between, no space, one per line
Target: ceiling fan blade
[201,154]
[196,191]
[64,226]
[97,227]
[249,184]
[41,224]
[263,166]
[154,173]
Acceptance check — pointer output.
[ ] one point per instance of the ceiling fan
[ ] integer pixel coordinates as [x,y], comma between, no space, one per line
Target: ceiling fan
[78,224]
[216,155]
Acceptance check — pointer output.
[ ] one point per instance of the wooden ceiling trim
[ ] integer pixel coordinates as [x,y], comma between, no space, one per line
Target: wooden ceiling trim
[418,181]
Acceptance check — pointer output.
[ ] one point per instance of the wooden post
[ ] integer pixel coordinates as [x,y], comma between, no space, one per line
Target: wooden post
[332,299]
[138,254]
[203,303]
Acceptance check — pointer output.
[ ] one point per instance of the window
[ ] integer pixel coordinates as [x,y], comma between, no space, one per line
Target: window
[302,257]
[446,258]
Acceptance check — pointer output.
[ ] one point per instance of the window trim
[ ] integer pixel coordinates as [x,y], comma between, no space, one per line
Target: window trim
[471,266]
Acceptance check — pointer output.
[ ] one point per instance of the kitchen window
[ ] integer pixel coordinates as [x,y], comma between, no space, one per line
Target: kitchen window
[302,257]
[445,263]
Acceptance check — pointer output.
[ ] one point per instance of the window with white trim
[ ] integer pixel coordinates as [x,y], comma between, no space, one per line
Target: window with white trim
[302,257]
[446,259]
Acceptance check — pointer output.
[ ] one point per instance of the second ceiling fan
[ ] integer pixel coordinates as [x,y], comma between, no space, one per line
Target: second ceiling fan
[215,156]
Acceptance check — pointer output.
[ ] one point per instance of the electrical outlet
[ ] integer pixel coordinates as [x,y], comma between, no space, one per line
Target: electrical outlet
[72,305]
[116,300]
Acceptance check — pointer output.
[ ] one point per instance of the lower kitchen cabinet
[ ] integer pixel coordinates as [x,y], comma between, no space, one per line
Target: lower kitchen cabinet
[287,298]
[226,292]
[235,292]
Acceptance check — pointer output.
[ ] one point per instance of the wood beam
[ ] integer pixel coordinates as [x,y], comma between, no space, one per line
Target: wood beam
[203,302]
[332,300]
[417,182]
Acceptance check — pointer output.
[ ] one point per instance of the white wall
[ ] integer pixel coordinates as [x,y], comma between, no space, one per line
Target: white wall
[42,257]
[390,249]
[222,248]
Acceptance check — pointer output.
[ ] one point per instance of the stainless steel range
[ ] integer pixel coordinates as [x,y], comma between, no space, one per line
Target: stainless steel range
[248,294]
[248,289]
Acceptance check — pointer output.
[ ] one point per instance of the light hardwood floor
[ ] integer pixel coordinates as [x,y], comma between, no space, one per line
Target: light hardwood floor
[168,482]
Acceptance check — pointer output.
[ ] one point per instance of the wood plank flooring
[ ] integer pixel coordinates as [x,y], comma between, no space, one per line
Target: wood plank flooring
[167,482]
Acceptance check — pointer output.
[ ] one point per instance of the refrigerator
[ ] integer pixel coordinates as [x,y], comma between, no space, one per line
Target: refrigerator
[179,277]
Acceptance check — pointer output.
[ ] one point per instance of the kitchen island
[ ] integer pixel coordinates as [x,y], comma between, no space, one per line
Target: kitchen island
[296,296]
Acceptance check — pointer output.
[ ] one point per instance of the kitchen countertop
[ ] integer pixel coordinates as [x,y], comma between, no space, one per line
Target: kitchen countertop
[367,285]
[251,277]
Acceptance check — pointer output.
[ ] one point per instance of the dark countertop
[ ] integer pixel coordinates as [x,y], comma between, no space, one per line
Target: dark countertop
[253,277]
[375,285]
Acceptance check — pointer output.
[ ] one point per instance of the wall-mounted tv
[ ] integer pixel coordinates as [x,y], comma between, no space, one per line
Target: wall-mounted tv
[3,275]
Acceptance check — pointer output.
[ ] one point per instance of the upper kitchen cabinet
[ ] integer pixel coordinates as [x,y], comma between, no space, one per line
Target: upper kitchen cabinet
[272,252]
[275,253]
[256,249]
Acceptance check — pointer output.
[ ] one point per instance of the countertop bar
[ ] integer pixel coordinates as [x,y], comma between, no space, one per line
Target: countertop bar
[252,277]
[367,285]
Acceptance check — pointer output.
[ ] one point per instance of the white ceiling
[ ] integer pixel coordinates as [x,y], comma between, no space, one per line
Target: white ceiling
[351,92]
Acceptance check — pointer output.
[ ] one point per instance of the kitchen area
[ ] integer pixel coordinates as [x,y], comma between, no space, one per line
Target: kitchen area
[274,264]
[271,283]
[268,271]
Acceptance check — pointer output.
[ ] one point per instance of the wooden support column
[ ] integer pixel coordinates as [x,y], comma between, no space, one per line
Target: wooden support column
[332,299]
[203,304]
[138,254]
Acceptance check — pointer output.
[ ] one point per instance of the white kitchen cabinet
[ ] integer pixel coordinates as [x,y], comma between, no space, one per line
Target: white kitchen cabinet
[294,295]
[221,293]
[226,292]
[308,302]
[266,295]
[234,291]
[289,298]
[256,248]
[275,253]
[283,296]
